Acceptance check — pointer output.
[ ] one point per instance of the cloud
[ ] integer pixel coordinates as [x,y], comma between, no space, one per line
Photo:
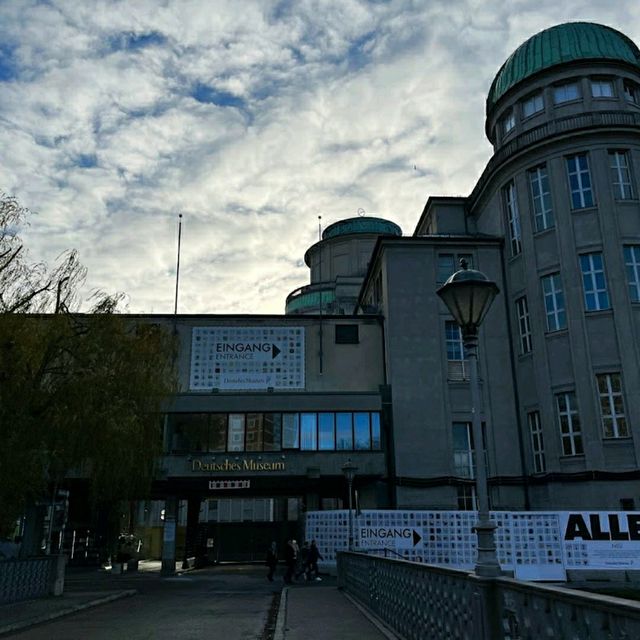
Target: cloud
[251,119]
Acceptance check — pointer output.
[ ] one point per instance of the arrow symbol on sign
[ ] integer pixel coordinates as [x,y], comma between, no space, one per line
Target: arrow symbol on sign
[274,351]
[416,537]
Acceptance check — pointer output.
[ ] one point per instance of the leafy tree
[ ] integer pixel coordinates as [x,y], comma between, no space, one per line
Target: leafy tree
[80,393]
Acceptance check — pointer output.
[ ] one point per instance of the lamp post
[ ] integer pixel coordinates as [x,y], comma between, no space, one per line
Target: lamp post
[468,295]
[349,469]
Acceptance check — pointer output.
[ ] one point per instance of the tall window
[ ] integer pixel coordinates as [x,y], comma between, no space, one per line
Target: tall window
[554,302]
[632,264]
[456,363]
[537,442]
[524,325]
[594,282]
[532,104]
[326,431]
[631,92]
[541,196]
[344,431]
[569,423]
[509,121]
[463,456]
[620,175]
[449,263]
[602,89]
[308,431]
[580,181]
[566,93]
[513,217]
[614,423]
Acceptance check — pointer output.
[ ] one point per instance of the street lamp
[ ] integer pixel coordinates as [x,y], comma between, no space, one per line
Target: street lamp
[349,469]
[468,295]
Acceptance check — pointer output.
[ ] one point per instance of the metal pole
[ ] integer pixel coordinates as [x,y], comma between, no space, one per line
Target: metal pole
[350,481]
[175,306]
[487,561]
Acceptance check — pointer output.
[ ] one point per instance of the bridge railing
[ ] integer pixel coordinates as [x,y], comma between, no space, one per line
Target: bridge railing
[425,601]
[31,578]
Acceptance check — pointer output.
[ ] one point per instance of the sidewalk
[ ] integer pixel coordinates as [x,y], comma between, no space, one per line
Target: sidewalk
[317,612]
[83,589]
[20,615]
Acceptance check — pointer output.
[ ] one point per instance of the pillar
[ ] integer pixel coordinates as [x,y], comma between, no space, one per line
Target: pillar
[169,536]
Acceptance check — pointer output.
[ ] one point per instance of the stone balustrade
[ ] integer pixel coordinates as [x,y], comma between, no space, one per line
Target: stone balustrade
[421,601]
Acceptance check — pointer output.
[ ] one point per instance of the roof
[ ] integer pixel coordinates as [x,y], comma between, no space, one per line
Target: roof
[361,225]
[558,45]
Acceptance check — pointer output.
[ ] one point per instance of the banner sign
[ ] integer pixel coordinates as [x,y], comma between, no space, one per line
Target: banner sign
[601,539]
[247,358]
[535,545]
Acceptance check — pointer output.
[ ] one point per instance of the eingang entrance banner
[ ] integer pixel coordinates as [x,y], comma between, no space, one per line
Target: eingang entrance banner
[247,358]
[535,545]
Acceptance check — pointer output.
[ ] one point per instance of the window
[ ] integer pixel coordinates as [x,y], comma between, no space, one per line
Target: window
[272,431]
[594,284]
[466,497]
[361,430]
[376,438]
[347,334]
[456,364]
[509,122]
[524,325]
[255,432]
[569,422]
[235,437]
[632,263]
[344,431]
[541,197]
[532,104]
[614,424]
[537,443]
[290,431]
[326,431]
[602,89]
[449,263]
[218,432]
[566,93]
[463,457]
[308,431]
[631,93]
[620,175]
[554,302]
[513,217]
[580,181]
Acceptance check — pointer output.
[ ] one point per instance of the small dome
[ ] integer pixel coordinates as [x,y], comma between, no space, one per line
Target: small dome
[361,225]
[558,45]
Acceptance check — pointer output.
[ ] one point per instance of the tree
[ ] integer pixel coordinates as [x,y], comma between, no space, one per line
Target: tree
[80,393]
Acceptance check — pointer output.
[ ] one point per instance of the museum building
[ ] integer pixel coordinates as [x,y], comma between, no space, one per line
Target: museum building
[367,365]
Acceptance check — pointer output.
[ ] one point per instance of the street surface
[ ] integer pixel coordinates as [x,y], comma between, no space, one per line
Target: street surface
[227,602]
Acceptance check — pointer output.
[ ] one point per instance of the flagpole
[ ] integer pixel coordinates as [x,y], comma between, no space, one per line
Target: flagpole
[175,306]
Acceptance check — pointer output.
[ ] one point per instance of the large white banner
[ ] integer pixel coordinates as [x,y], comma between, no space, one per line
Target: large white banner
[601,539]
[535,545]
[246,358]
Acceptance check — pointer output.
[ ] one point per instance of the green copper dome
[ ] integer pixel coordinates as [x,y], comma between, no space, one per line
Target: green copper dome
[361,225]
[560,44]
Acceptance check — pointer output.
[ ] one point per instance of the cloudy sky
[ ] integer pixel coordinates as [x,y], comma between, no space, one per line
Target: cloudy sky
[249,117]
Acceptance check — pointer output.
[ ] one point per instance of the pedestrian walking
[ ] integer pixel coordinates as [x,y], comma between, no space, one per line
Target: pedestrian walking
[312,561]
[272,560]
[302,567]
[290,557]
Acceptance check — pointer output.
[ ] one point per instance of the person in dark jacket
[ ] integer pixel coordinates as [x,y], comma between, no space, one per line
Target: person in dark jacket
[303,561]
[272,560]
[312,560]
[290,557]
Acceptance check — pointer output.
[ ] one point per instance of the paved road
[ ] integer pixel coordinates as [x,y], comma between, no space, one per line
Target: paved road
[230,603]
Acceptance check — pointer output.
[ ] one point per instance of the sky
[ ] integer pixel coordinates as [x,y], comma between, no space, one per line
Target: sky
[251,118]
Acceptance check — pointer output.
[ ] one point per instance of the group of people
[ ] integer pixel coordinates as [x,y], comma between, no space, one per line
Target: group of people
[300,561]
